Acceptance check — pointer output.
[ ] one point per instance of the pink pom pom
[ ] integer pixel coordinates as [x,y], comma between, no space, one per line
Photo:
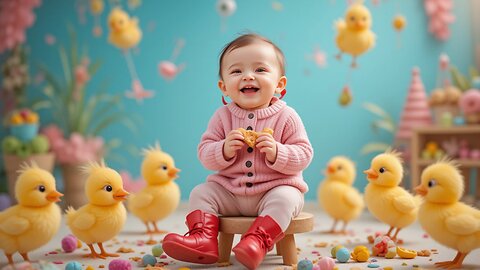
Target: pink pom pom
[470,101]
[69,243]
[119,264]
[326,263]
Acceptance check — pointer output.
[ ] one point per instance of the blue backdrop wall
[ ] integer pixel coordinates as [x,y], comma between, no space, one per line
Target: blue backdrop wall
[178,113]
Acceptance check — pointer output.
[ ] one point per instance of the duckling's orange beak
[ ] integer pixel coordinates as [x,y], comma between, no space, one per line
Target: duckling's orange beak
[54,196]
[330,169]
[421,190]
[173,172]
[121,195]
[371,174]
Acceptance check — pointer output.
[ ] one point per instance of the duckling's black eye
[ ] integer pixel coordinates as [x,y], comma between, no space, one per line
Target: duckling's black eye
[339,167]
[164,167]
[41,188]
[352,18]
[108,188]
[432,183]
[382,170]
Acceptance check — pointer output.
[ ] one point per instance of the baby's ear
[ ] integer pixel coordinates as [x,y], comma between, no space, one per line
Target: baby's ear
[222,87]
[282,83]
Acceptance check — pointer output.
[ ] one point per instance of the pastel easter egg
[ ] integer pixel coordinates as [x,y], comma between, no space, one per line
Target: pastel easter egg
[157,250]
[119,264]
[334,250]
[69,243]
[326,263]
[343,255]
[305,264]
[73,265]
[149,260]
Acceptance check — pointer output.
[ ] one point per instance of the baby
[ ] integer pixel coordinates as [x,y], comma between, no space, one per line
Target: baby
[264,180]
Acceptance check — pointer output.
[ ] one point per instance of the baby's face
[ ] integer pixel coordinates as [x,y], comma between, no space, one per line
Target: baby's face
[251,75]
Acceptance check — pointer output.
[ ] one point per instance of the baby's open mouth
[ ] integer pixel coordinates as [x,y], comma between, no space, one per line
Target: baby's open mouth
[249,89]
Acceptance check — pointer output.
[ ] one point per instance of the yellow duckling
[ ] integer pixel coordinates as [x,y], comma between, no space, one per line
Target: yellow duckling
[161,195]
[448,221]
[104,215]
[354,35]
[337,196]
[124,31]
[387,201]
[36,218]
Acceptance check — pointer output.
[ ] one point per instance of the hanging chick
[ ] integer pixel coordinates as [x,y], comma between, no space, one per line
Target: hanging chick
[124,31]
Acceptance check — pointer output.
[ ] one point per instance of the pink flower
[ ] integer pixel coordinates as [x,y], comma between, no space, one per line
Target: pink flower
[131,185]
[470,101]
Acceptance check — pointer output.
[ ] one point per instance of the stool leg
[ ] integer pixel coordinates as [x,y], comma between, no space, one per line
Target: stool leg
[289,250]
[279,248]
[225,247]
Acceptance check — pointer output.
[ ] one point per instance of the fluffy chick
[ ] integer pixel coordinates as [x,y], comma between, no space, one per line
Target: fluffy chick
[337,196]
[448,221]
[124,31]
[353,34]
[104,215]
[387,201]
[36,218]
[161,195]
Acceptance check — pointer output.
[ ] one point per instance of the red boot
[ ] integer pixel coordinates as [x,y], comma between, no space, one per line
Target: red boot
[201,244]
[257,241]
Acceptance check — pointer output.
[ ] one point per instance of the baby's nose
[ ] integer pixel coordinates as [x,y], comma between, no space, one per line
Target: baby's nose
[248,77]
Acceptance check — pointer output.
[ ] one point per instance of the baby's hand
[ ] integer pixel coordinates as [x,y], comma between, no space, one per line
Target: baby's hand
[267,144]
[233,142]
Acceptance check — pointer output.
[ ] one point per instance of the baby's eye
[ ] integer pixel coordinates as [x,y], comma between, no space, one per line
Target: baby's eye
[108,188]
[236,71]
[432,183]
[260,70]
[382,170]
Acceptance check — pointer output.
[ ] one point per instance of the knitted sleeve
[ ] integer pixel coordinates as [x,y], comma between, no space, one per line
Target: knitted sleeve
[210,149]
[294,152]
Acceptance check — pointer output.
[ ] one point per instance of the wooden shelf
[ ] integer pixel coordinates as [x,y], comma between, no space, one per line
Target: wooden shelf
[463,162]
[432,130]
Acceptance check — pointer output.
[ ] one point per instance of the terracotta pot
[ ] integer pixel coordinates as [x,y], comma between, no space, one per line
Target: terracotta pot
[74,185]
[12,165]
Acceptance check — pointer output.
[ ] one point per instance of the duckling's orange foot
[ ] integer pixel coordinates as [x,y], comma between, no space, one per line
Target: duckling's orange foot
[160,231]
[448,265]
[109,254]
[94,256]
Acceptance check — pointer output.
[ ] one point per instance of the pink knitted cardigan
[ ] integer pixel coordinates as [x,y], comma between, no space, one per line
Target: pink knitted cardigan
[249,172]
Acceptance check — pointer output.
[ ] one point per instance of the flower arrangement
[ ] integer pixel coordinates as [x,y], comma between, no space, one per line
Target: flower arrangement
[80,112]
[15,79]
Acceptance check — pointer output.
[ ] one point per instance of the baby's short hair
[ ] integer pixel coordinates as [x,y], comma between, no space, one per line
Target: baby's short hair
[247,39]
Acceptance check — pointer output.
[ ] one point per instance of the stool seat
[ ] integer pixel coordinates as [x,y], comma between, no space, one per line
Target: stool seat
[229,226]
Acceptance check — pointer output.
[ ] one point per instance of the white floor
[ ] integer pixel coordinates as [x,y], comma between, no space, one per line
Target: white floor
[132,236]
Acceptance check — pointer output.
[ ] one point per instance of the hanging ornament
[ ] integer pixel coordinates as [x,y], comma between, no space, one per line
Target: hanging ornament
[277,5]
[167,68]
[399,22]
[345,97]
[125,34]
[354,36]
[226,8]
[96,8]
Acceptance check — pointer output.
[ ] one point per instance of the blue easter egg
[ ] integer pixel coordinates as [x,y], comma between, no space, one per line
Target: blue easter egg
[24,132]
[458,121]
[149,260]
[73,265]
[343,255]
[305,264]
[157,250]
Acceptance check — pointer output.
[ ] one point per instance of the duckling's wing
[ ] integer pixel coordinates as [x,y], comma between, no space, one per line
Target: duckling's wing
[14,225]
[463,224]
[83,221]
[405,204]
[141,200]
[353,198]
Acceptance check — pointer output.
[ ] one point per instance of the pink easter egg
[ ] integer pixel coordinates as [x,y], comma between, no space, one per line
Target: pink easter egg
[119,264]
[167,69]
[69,243]
[326,263]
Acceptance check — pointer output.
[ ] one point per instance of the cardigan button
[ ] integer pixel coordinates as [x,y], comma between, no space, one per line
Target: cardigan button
[249,128]
[249,149]
[251,115]
[249,184]
[248,164]
[250,174]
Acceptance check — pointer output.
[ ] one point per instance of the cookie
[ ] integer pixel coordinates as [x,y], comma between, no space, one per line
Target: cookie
[250,136]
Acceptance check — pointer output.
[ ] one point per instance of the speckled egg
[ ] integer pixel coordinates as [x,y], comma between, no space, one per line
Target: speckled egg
[157,250]
[149,260]
[69,243]
[119,264]
[334,250]
[326,263]
[343,255]
[305,264]
[73,265]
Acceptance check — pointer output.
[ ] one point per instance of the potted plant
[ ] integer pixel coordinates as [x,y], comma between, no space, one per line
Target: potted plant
[80,114]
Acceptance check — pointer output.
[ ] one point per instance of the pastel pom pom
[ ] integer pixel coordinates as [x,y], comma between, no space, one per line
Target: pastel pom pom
[73,266]
[69,243]
[157,250]
[119,264]
[149,260]
[305,264]
[326,263]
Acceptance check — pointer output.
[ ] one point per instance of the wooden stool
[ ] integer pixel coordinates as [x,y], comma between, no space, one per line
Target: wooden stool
[229,226]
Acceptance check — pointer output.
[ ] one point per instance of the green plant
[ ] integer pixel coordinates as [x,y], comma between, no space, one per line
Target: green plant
[462,81]
[385,122]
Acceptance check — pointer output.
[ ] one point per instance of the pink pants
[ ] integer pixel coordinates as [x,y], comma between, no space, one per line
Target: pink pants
[282,203]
